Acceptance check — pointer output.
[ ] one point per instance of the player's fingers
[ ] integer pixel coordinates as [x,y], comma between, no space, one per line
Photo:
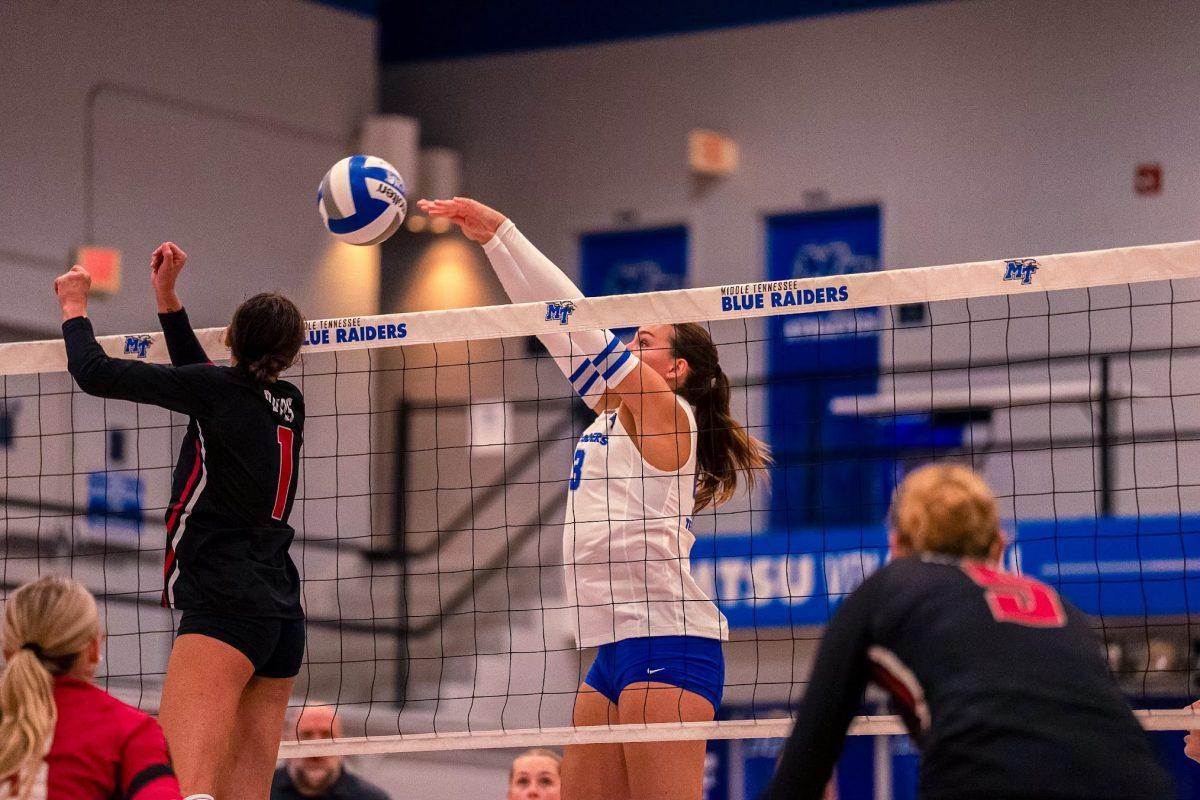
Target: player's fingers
[472,206]
[180,256]
[436,208]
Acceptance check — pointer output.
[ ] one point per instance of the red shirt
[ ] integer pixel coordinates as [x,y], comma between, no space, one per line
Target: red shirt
[104,748]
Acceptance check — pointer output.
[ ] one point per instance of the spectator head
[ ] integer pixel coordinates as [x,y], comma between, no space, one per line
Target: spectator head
[945,509]
[315,774]
[534,775]
[51,629]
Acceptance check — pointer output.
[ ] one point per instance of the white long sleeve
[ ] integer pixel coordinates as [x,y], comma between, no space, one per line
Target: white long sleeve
[591,360]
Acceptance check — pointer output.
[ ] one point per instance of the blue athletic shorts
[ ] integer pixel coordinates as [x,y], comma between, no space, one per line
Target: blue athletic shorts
[692,663]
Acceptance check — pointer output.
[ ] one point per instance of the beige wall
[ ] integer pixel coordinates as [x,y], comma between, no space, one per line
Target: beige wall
[985,128]
[212,122]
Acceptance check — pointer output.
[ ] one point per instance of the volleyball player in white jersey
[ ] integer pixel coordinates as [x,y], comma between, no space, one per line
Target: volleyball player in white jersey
[663,445]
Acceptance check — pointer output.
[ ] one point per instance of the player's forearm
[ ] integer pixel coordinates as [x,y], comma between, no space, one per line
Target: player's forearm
[591,360]
[810,753]
[74,310]
[97,373]
[835,689]
[86,360]
[126,379]
[508,271]
[168,301]
[182,344]
[543,280]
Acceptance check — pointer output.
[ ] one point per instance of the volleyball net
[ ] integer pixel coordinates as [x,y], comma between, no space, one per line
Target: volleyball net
[438,450]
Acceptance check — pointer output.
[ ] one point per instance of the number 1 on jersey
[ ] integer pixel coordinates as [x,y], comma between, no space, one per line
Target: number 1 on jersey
[286,436]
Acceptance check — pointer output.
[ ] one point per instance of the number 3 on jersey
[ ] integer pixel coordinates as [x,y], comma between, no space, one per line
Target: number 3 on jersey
[286,437]
[1014,598]
[576,471]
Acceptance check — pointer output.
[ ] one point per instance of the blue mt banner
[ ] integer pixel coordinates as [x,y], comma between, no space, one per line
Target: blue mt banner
[1108,566]
[822,473]
[625,262]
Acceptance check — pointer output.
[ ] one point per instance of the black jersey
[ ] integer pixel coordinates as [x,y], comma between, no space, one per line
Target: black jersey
[235,478]
[1001,683]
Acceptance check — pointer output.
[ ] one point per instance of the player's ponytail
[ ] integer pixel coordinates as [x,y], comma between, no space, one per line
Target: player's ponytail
[723,447]
[265,335]
[47,625]
[946,509]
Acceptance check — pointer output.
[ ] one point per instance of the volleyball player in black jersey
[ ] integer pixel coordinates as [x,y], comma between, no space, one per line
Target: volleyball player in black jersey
[1000,682]
[241,635]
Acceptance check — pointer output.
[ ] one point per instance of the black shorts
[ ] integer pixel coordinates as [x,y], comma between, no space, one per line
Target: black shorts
[274,645]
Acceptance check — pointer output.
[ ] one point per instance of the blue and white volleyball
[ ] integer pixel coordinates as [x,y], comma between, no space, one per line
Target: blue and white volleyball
[362,200]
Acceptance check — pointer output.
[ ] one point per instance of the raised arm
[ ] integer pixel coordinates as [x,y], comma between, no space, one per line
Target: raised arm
[600,367]
[592,361]
[165,265]
[179,389]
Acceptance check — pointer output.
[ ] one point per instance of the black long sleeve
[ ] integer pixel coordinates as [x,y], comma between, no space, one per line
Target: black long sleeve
[180,389]
[182,344]
[1004,700]
[835,689]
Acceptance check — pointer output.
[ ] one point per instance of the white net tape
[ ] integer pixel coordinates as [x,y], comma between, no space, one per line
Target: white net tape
[454,658]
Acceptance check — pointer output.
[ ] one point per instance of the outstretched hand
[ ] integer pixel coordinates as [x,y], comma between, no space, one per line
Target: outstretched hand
[166,262]
[478,222]
[72,289]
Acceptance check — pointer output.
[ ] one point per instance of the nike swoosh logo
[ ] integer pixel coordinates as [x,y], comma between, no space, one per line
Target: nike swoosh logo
[652,671]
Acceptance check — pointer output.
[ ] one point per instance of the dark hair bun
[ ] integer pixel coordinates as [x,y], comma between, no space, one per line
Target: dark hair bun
[266,334]
[268,368]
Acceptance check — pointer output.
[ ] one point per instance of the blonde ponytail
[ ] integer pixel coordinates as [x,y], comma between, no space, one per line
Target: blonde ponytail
[47,624]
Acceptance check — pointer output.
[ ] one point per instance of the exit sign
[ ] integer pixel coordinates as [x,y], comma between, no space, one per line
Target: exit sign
[104,265]
[1148,179]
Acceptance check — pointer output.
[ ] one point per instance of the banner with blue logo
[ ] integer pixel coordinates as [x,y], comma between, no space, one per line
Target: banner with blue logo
[742,769]
[626,262]
[115,502]
[1109,566]
[823,474]
[8,411]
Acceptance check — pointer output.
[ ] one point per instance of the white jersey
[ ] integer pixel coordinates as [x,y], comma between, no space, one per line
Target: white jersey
[626,542]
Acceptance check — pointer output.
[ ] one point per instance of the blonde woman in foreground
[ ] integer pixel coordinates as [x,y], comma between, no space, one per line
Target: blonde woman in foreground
[1000,681]
[61,736]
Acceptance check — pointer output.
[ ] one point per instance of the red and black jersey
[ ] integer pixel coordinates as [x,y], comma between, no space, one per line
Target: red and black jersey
[1001,682]
[104,749]
[235,478]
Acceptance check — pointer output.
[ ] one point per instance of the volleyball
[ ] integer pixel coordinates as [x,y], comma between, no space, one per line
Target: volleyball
[362,200]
